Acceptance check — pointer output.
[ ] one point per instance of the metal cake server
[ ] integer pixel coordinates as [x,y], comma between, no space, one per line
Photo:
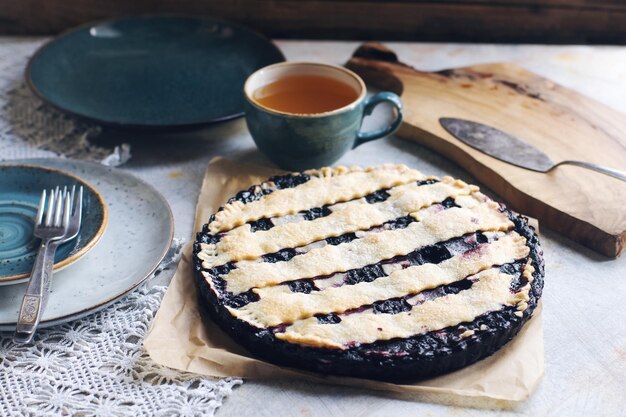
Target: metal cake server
[508,148]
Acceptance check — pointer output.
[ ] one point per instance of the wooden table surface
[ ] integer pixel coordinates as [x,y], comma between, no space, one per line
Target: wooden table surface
[584,310]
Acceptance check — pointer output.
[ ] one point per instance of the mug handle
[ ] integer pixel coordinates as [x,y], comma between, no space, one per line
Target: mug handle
[372,102]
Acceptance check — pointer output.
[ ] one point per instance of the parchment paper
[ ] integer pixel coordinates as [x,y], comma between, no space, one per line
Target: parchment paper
[180,339]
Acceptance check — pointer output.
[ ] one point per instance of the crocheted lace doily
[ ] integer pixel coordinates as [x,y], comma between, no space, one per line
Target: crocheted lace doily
[96,366]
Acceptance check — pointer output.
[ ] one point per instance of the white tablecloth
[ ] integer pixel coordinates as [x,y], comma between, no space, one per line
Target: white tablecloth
[584,297]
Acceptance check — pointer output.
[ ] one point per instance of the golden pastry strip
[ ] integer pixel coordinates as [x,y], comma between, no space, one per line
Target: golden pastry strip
[372,248]
[241,243]
[490,293]
[278,305]
[339,184]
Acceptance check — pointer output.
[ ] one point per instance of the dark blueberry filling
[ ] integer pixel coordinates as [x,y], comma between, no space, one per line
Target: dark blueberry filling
[215,274]
[434,254]
[377,196]
[331,318]
[337,240]
[487,322]
[536,255]
[261,224]
[515,269]
[382,195]
[465,243]
[391,306]
[197,248]
[240,300]
[311,214]
[449,203]
[280,256]
[366,274]
[443,290]
[399,223]
[251,194]
[401,304]
[287,254]
[511,268]
[303,285]
[429,254]
[289,181]
[316,213]
[205,235]
[220,286]
[247,196]
[223,269]
[205,227]
[208,238]
[442,343]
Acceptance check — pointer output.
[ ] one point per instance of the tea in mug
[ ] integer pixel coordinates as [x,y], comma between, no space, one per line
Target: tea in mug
[305,94]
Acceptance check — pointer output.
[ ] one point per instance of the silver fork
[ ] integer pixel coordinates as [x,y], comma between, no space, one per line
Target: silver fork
[50,229]
[73,227]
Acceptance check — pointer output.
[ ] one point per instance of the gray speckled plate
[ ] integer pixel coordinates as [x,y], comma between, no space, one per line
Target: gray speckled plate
[138,236]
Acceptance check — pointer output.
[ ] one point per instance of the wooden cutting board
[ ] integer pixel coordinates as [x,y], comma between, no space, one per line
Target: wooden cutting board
[583,205]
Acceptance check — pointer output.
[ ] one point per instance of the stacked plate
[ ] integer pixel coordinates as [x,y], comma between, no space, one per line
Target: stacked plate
[126,231]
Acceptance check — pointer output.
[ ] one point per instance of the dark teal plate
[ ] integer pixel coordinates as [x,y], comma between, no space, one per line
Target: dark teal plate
[20,191]
[151,71]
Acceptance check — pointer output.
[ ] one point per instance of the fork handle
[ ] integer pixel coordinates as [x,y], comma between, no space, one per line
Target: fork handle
[37,292]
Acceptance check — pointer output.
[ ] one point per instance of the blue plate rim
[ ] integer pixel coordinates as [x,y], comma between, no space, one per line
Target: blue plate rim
[139,126]
[6,280]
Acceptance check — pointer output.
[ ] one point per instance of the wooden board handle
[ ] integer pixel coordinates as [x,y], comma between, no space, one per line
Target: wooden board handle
[564,124]
[378,66]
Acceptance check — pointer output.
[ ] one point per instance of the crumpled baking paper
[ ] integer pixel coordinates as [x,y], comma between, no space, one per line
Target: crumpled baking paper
[180,339]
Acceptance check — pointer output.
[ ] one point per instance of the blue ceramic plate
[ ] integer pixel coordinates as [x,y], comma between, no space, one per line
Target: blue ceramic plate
[138,236]
[151,71]
[20,191]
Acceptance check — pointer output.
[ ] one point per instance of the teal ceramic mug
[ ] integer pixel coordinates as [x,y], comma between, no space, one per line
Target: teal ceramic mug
[298,141]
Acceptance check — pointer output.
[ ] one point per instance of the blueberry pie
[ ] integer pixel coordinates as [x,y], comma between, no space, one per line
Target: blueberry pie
[377,272]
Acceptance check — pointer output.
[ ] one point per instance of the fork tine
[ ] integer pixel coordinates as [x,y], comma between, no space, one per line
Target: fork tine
[58,212]
[67,211]
[42,204]
[50,208]
[78,203]
[66,193]
[73,196]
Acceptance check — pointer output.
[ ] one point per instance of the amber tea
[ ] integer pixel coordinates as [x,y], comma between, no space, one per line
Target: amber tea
[303,115]
[305,94]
